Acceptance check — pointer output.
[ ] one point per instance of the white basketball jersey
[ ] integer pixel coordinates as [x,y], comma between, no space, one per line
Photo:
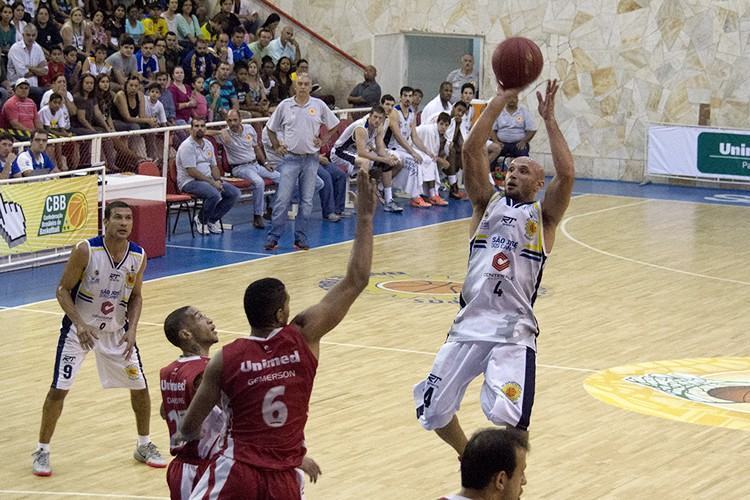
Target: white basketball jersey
[404,126]
[506,259]
[346,140]
[102,295]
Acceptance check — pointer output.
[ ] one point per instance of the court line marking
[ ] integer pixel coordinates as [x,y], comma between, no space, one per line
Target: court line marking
[564,230]
[80,494]
[324,342]
[204,249]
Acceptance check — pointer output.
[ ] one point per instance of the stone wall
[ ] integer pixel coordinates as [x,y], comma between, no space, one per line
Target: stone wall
[623,63]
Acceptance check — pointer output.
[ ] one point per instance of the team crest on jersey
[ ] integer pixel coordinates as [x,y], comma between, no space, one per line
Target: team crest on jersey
[132,371]
[512,391]
[422,290]
[311,112]
[130,280]
[530,228]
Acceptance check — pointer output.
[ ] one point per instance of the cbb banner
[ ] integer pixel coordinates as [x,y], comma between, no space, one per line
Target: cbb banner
[699,152]
[47,214]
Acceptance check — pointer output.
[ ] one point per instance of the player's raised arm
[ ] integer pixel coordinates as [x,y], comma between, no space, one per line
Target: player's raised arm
[557,195]
[323,317]
[476,163]
[206,397]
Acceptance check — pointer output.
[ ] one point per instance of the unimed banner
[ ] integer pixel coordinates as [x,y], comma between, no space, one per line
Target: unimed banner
[699,152]
[47,214]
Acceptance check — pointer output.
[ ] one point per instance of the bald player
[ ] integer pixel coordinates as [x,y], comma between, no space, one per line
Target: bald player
[495,331]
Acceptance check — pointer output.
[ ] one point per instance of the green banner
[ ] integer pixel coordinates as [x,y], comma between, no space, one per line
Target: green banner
[724,154]
[47,214]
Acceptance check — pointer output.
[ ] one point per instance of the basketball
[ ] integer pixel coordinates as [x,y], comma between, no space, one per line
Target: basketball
[77,211]
[517,61]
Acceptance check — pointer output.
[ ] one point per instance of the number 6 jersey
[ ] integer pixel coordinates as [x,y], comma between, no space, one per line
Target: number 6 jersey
[266,385]
[506,260]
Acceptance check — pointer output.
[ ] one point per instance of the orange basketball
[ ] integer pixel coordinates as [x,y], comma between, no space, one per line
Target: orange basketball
[517,61]
[77,211]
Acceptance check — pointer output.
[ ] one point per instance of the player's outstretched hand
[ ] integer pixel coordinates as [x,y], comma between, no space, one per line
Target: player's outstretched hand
[547,103]
[129,340]
[86,336]
[311,468]
[366,199]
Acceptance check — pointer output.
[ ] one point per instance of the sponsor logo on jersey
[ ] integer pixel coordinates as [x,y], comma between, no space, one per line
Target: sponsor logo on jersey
[114,277]
[512,391]
[107,308]
[132,371]
[507,220]
[109,294]
[256,366]
[704,391]
[507,244]
[500,261]
[167,385]
[68,360]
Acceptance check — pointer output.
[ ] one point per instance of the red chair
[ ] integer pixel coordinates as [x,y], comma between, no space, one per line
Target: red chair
[177,202]
[223,163]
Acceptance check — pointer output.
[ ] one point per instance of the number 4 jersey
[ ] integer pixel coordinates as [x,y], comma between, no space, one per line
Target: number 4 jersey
[178,386]
[266,385]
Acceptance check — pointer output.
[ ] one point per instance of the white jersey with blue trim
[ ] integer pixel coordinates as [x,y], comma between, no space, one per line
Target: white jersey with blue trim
[404,126]
[506,260]
[347,142]
[101,296]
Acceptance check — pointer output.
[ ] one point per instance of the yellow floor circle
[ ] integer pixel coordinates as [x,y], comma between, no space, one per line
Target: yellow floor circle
[704,391]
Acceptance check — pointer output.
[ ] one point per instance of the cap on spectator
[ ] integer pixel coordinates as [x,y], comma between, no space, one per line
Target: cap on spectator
[21,81]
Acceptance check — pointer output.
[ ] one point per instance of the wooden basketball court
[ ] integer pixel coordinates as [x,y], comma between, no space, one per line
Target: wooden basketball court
[635,285]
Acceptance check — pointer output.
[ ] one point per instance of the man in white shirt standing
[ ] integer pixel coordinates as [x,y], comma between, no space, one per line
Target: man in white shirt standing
[465,74]
[299,119]
[198,174]
[26,60]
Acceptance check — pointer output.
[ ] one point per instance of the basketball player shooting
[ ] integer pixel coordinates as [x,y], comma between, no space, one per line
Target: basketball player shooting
[495,331]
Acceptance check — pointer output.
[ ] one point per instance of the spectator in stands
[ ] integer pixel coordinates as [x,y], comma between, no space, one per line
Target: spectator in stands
[73,65]
[285,46]
[299,120]
[240,50]
[160,49]
[173,53]
[55,67]
[441,103]
[228,95]
[133,24]
[201,105]
[146,63]
[34,160]
[7,156]
[19,113]
[154,25]
[7,30]
[123,63]
[199,175]
[116,24]
[254,90]
[125,158]
[55,119]
[221,50]
[228,19]
[188,27]
[465,74]
[182,95]
[154,107]
[368,92]
[269,80]
[247,161]
[283,87]
[88,118]
[170,15]
[26,60]
[248,16]
[211,29]
[99,34]
[48,34]
[513,130]
[19,19]
[260,46]
[166,99]
[76,33]
[213,100]
[454,138]
[271,23]
[130,108]
[416,99]
[199,62]
[97,64]
[433,155]
[60,10]
[60,87]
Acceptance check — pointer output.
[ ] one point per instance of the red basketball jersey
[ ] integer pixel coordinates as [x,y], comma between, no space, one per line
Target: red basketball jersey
[267,384]
[177,382]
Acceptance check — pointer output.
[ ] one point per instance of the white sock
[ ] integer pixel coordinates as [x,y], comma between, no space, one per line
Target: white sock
[43,447]
[433,191]
[144,440]
[388,194]
[452,179]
